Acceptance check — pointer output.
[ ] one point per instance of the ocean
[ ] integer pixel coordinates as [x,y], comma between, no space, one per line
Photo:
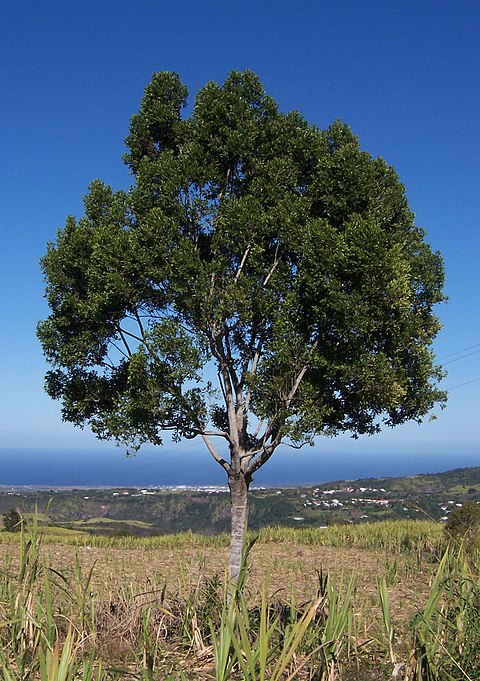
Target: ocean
[173,466]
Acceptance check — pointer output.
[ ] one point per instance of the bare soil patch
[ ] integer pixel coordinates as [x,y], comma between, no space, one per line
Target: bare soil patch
[286,566]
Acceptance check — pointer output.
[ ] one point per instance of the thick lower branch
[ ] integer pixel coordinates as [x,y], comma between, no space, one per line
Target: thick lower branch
[224,464]
[261,458]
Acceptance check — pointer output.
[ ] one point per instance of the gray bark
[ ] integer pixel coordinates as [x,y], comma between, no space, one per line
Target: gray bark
[239,505]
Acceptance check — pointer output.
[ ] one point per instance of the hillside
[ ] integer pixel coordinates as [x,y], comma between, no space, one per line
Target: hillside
[206,510]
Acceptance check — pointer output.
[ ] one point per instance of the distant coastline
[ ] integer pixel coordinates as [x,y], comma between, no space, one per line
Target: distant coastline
[26,489]
[205,509]
[176,466]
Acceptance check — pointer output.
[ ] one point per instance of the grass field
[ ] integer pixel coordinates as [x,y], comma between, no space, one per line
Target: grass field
[346,603]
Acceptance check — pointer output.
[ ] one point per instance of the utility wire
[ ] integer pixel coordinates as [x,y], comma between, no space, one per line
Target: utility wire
[450,361]
[460,385]
[457,352]
[160,458]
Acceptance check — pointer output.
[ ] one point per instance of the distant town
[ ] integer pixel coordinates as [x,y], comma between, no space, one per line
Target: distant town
[152,510]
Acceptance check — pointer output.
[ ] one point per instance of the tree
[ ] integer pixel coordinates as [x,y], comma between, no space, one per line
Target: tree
[262,282]
[12,521]
[464,523]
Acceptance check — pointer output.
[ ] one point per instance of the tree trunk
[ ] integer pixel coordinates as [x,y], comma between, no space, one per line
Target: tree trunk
[239,508]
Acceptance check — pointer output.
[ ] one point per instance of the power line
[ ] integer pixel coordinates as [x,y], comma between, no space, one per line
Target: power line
[160,458]
[450,361]
[460,385]
[457,352]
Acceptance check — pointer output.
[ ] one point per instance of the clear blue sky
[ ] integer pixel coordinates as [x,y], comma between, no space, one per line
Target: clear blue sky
[404,75]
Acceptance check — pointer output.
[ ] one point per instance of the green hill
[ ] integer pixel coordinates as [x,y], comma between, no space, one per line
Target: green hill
[159,511]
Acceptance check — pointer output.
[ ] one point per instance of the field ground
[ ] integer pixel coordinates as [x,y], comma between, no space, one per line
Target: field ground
[99,586]
[148,605]
[286,565]
[145,573]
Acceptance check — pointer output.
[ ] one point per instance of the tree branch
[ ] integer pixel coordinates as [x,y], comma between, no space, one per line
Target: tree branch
[211,433]
[222,387]
[215,433]
[274,427]
[242,263]
[292,446]
[140,325]
[231,370]
[215,454]
[264,456]
[274,266]
[256,359]
[132,335]
[107,362]
[258,429]
[300,375]
[225,384]
[129,352]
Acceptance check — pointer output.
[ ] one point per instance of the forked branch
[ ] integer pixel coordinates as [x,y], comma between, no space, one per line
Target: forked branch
[224,464]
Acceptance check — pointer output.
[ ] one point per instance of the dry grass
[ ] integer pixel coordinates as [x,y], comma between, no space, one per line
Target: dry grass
[143,600]
[288,566]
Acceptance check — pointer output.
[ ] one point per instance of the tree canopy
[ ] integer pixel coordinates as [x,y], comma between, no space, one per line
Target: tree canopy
[262,281]
[12,521]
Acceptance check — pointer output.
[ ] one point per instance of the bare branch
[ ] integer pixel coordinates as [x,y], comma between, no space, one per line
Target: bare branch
[274,266]
[300,375]
[256,356]
[222,387]
[274,427]
[293,446]
[256,359]
[258,428]
[263,457]
[132,335]
[215,454]
[140,325]
[225,381]
[242,263]
[248,455]
[211,433]
[231,370]
[215,433]
[128,352]
[212,283]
